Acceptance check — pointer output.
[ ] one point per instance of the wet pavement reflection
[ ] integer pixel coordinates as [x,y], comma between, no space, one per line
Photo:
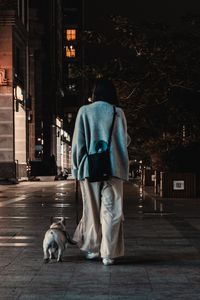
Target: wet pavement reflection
[162,250]
[151,205]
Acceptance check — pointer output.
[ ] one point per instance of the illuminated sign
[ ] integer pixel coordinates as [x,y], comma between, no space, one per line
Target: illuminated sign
[178,185]
[58,122]
[18,93]
[65,137]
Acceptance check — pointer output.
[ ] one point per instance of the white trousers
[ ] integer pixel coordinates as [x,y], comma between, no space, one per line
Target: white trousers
[101,226]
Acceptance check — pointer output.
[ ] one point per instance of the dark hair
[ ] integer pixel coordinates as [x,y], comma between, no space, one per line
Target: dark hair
[104,90]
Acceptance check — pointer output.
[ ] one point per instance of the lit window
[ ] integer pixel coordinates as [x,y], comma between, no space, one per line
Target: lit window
[71,34]
[70,51]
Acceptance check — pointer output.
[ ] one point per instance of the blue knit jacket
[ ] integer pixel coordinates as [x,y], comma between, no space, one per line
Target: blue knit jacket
[92,126]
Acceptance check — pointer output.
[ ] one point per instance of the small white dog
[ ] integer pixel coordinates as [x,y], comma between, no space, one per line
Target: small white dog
[55,239]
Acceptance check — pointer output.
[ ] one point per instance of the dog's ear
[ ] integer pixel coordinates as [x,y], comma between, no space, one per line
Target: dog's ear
[51,220]
[63,220]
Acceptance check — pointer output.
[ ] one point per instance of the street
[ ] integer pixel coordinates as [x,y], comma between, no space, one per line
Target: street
[162,247]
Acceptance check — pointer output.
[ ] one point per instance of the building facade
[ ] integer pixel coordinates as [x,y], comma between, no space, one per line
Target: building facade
[73,60]
[48,60]
[14,74]
[31,87]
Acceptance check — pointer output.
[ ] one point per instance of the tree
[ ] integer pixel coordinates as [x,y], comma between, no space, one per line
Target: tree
[149,63]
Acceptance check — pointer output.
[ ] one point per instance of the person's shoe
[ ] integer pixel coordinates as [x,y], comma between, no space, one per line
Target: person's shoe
[92,255]
[107,261]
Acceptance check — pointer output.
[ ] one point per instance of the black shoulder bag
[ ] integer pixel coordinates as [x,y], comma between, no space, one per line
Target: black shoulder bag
[99,163]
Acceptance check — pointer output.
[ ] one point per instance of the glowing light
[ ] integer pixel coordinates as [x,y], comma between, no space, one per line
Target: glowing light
[71,34]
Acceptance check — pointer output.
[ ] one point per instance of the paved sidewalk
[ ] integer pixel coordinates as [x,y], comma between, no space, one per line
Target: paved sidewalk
[162,259]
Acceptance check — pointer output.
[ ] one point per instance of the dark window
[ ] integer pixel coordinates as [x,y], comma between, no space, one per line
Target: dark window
[20,9]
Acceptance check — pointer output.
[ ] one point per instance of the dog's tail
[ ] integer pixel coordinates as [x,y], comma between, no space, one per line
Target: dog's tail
[69,239]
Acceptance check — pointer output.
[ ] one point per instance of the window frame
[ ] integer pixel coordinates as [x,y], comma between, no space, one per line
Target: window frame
[70,51]
[71,34]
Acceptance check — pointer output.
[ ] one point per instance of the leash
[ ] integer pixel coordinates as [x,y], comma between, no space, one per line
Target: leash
[76,201]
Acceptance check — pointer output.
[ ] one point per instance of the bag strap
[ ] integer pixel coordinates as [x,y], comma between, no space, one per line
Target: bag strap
[111,128]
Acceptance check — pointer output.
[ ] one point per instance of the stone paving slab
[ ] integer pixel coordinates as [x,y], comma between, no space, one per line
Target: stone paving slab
[162,252]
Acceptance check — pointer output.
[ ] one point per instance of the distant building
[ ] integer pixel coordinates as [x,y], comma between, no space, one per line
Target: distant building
[73,53]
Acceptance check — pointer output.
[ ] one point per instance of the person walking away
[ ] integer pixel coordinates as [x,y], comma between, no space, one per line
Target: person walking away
[100,230]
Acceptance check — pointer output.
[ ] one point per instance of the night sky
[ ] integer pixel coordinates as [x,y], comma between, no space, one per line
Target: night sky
[142,10]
